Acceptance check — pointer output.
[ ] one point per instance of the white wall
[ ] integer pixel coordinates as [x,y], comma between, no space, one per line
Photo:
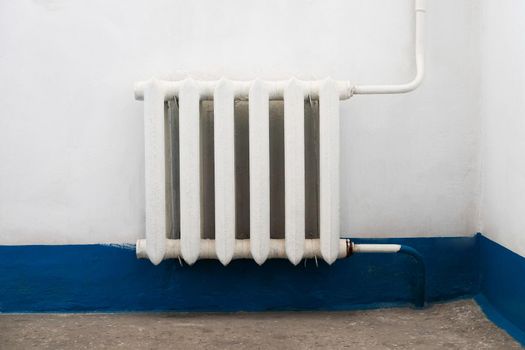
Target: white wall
[71,134]
[503,116]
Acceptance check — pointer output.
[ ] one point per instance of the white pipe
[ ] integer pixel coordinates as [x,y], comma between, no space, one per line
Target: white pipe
[420,10]
[375,248]
[311,88]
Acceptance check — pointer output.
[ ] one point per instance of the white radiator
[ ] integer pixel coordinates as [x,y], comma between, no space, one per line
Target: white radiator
[225,246]
[260,246]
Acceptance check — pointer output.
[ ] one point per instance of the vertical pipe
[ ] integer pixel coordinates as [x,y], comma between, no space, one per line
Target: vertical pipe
[189,155]
[259,136]
[294,199]
[224,170]
[329,170]
[155,165]
[420,283]
[419,48]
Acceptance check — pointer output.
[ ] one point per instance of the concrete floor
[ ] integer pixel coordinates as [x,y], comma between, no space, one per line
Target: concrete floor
[456,325]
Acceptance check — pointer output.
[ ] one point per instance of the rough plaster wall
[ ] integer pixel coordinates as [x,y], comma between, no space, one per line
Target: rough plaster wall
[503,116]
[71,135]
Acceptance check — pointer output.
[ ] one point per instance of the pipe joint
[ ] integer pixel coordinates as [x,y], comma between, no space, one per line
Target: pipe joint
[421,6]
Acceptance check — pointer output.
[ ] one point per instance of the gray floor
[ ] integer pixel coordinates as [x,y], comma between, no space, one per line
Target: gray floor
[456,325]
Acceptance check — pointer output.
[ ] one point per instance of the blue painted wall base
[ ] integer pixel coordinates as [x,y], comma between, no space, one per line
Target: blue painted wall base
[102,278]
[502,286]
[73,278]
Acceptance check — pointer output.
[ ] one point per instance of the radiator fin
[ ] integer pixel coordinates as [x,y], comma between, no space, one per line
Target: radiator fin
[189,158]
[259,135]
[294,172]
[329,170]
[224,143]
[155,163]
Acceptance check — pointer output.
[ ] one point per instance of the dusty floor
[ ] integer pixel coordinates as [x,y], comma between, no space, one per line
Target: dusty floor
[456,325]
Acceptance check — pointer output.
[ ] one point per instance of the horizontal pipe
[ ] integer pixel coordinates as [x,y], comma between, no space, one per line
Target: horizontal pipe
[277,249]
[375,248]
[242,88]
[312,249]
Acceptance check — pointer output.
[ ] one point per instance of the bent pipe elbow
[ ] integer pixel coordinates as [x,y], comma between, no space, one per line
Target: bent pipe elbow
[420,289]
[392,89]
[420,276]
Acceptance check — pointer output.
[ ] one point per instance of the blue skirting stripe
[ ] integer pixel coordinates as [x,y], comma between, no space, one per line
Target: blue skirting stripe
[501,321]
[98,278]
[502,274]
[92,278]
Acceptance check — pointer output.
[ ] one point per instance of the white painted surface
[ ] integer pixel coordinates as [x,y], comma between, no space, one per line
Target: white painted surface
[294,171]
[503,116]
[376,248]
[224,167]
[189,160]
[329,170]
[276,249]
[259,150]
[155,166]
[71,133]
